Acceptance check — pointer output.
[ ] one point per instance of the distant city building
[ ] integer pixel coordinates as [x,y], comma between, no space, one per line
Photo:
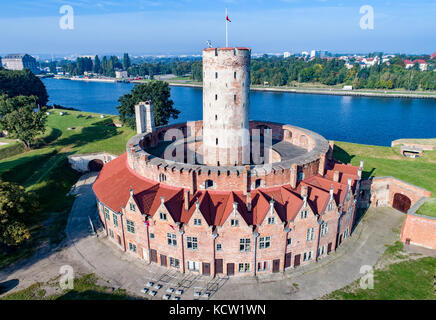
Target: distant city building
[422,64]
[433,55]
[20,62]
[120,74]
[286,54]
[304,53]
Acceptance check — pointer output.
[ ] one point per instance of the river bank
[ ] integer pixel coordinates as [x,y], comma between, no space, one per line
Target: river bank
[329,91]
[306,90]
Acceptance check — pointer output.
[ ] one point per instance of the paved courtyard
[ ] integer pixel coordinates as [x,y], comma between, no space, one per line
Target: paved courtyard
[89,253]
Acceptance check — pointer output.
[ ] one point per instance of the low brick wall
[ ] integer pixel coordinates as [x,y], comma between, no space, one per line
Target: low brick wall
[419,230]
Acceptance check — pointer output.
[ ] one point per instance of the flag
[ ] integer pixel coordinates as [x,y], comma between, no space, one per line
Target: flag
[172,227]
[227,18]
[147,223]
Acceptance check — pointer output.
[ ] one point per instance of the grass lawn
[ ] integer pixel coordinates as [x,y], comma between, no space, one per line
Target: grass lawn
[387,161]
[46,172]
[85,288]
[408,279]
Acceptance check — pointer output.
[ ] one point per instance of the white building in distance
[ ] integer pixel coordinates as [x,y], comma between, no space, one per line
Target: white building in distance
[19,62]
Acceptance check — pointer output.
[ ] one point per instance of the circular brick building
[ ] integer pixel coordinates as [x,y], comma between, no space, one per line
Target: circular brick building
[226,196]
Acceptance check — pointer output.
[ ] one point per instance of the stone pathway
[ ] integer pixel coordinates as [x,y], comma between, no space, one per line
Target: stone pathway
[88,253]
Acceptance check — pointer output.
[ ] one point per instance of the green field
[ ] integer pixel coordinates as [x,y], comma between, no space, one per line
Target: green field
[387,161]
[397,276]
[46,172]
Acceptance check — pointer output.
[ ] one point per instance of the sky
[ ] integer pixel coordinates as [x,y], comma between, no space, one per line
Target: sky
[183,26]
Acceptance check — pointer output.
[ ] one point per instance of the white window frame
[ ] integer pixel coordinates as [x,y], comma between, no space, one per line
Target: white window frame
[234,222]
[130,226]
[265,242]
[303,214]
[324,229]
[172,239]
[191,243]
[197,222]
[310,235]
[163,216]
[244,245]
[132,247]
[308,256]
[244,267]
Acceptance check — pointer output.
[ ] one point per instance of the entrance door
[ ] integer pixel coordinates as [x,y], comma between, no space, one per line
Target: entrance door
[218,266]
[153,255]
[230,269]
[401,202]
[276,265]
[329,247]
[297,260]
[163,260]
[288,257]
[206,269]
[119,239]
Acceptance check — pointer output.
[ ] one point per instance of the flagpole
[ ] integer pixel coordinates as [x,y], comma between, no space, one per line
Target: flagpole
[227,36]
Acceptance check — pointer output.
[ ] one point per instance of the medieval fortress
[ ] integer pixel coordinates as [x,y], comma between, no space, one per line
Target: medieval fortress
[225,195]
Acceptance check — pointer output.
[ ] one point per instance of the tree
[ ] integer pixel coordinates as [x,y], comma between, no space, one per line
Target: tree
[21,119]
[16,83]
[126,61]
[97,65]
[15,205]
[156,91]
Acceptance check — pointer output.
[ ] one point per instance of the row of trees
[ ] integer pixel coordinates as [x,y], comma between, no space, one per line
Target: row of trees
[290,71]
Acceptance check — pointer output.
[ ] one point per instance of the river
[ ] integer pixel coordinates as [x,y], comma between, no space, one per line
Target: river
[366,120]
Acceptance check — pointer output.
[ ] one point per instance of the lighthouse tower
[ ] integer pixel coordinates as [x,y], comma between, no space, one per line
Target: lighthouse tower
[226,85]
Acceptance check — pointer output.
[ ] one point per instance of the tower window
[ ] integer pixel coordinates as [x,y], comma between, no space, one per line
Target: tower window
[234,75]
[216,97]
[216,117]
[216,75]
[234,97]
[216,141]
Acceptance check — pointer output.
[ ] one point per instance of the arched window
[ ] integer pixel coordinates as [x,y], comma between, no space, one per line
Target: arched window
[258,183]
[162,177]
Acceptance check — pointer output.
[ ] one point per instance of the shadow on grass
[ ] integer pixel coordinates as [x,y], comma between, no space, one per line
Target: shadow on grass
[343,156]
[8,285]
[90,134]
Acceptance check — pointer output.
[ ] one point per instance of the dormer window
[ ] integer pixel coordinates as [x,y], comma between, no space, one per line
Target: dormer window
[132,207]
[197,222]
[271,220]
[303,214]
[234,222]
[162,216]
[330,206]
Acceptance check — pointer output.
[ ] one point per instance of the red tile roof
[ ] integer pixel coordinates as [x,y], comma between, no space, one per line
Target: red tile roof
[116,179]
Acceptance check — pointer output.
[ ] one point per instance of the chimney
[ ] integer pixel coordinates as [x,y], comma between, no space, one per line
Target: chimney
[186,200]
[235,207]
[293,178]
[359,173]
[321,167]
[271,205]
[304,194]
[249,201]
[336,176]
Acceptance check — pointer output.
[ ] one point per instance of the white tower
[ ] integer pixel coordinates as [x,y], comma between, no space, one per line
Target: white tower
[144,117]
[226,85]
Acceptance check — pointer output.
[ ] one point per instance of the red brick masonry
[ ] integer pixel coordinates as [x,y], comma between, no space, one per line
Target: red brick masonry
[419,230]
[225,232]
